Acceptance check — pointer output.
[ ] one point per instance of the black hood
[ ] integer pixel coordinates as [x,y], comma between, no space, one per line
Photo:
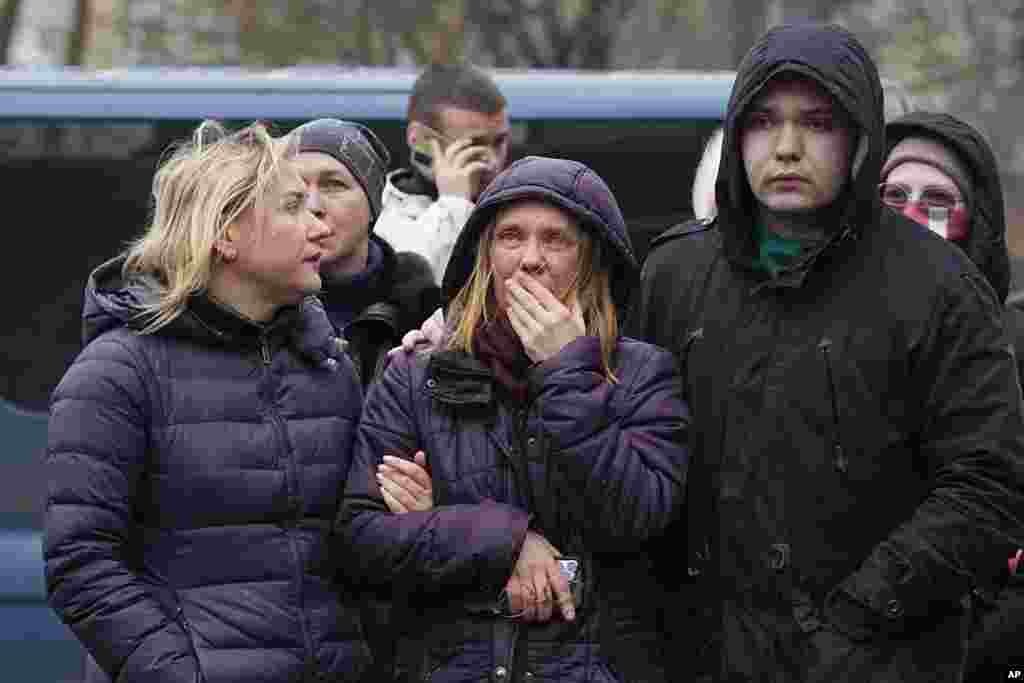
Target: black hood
[835,59]
[986,245]
[112,301]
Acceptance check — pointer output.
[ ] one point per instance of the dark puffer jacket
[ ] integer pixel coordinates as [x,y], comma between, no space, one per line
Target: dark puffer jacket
[597,468]
[858,418]
[393,299]
[193,478]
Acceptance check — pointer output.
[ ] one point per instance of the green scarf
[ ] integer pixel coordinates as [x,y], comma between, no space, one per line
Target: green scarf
[775,252]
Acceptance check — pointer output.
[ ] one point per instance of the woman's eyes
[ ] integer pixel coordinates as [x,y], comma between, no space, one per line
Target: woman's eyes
[556,240]
[510,237]
[550,240]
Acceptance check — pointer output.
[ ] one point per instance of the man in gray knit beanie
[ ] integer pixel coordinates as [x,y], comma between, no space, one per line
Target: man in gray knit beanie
[372,294]
[355,146]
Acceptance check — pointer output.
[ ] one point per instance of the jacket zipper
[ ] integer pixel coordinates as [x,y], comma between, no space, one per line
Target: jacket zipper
[265,351]
[183,621]
[516,464]
[839,460]
[294,501]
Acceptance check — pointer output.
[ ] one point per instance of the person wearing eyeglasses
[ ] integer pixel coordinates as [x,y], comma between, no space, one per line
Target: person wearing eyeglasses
[941,173]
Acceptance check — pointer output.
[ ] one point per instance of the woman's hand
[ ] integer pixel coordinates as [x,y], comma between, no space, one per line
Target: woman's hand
[426,337]
[537,583]
[405,485]
[544,324]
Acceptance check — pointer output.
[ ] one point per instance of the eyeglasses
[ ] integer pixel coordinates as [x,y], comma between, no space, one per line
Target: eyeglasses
[897,195]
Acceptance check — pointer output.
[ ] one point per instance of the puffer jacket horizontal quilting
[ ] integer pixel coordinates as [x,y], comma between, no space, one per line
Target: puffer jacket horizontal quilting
[190,521]
[609,454]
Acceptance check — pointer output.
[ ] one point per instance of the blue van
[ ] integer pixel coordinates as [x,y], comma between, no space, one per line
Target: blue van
[78,154]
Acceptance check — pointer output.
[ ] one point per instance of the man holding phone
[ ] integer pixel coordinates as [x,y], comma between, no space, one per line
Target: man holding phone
[458,135]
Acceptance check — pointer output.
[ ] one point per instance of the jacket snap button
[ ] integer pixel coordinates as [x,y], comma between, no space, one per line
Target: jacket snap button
[528,676]
[894,609]
[532,440]
[501,673]
[778,556]
[431,383]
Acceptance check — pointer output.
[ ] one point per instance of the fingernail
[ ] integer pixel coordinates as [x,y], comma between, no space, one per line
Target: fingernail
[570,614]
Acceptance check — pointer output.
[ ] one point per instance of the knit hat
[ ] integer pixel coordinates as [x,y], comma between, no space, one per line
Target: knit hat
[354,145]
[933,153]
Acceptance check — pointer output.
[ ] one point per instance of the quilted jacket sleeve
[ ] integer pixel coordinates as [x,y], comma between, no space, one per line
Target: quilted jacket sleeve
[95,458]
[973,439]
[460,547]
[619,451]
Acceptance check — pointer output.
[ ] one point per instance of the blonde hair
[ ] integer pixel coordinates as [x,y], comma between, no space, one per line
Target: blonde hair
[198,191]
[475,303]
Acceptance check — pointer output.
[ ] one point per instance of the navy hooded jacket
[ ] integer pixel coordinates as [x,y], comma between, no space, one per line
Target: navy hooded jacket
[193,476]
[597,468]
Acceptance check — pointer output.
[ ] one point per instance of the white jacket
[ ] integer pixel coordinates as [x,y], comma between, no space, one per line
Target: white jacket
[417,223]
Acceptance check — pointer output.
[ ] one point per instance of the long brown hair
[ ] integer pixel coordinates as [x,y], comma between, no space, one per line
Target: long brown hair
[475,303]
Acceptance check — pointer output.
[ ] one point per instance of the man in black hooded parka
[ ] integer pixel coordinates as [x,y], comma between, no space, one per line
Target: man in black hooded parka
[858,451]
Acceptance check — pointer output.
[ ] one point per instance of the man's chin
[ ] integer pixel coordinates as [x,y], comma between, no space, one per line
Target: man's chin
[791,205]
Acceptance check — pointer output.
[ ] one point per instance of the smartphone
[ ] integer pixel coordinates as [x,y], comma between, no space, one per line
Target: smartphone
[422,153]
[423,159]
[569,566]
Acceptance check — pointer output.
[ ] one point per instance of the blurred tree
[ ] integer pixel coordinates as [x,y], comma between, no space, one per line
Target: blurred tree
[570,34]
[8,22]
[961,56]
[282,32]
[790,11]
[78,41]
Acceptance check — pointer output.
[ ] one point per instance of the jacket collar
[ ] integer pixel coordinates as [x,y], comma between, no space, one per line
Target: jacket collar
[456,378]
[373,285]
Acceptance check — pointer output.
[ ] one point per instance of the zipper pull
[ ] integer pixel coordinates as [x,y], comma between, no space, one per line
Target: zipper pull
[264,351]
[839,459]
